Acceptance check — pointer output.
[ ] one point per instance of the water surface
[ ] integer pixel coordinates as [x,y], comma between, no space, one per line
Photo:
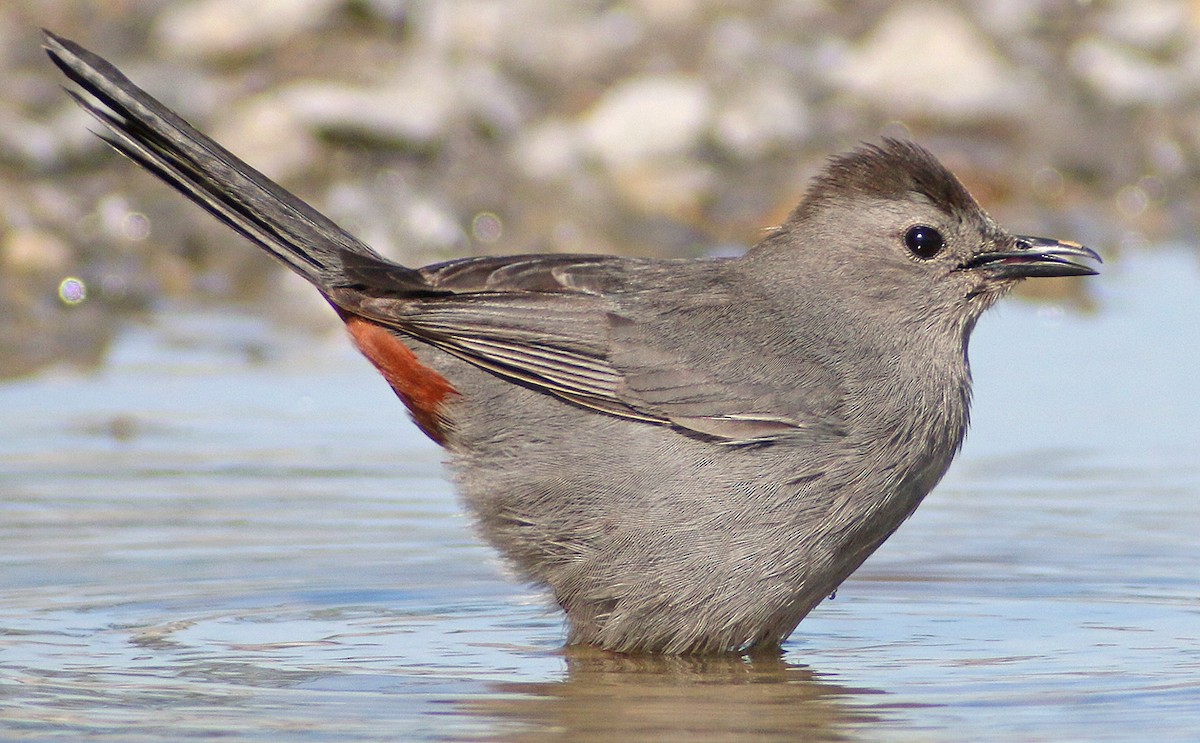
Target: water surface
[232,530]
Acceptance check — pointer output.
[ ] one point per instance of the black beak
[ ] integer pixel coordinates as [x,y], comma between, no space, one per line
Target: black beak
[1036,256]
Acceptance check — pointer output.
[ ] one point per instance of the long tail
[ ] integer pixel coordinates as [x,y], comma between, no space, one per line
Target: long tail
[159,140]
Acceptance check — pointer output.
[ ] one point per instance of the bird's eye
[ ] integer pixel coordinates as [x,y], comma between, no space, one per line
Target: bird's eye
[923,241]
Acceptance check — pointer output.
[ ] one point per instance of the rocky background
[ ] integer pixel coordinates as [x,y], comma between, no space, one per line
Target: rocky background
[440,128]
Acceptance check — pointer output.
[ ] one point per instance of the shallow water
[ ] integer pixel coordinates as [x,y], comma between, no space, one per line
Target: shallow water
[231,530]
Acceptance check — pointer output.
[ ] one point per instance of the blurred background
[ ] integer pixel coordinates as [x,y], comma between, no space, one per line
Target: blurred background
[216,521]
[651,127]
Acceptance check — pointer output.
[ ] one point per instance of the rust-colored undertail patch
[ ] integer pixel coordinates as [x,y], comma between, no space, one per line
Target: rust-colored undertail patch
[422,390]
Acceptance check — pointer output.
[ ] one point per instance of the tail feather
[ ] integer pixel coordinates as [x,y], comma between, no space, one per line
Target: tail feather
[158,139]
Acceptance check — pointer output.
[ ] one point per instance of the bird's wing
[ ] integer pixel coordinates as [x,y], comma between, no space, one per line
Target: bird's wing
[563,324]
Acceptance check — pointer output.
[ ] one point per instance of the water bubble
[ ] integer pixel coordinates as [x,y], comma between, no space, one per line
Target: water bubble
[1132,201]
[136,227]
[72,291]
[486,227]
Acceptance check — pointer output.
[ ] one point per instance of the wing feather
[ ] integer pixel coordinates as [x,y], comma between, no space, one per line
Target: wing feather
[554,323]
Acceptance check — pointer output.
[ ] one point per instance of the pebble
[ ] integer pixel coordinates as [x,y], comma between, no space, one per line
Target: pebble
[548,150]
[213,29]
[647,116]
[1124,75]
[273,136]
[763,117]
[406,112]
[928,61]
[34,249]
[440,127]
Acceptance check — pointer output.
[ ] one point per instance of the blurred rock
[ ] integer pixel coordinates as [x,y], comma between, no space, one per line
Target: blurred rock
[217,28]
[928,61]
[647,116]
[550,40]
[761,117]
[412,110]
[674,187]
[668,127]
[31,143]
[31,249]
[277,138]
[548,150]
[492,99]
[1124,75]
[1148,24]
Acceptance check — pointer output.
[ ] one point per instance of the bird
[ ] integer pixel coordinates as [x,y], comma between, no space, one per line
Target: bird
[688,454]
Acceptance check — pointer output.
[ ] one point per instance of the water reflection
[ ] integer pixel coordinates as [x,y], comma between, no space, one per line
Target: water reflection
[607,697]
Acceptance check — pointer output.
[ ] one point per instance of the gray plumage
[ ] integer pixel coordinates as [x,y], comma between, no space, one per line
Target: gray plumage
[690,454]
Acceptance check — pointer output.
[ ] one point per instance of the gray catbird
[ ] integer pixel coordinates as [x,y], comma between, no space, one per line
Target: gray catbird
[691,454]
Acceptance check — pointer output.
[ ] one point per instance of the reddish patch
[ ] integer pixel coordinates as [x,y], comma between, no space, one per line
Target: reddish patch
[420,388]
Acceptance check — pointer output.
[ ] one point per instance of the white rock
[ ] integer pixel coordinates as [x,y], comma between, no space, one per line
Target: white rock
[552,39]
[928,59]
[212,28]
[1122,74]
[669,13]
[431,223]
[550,150]
[490,96]
[470,26]
[1147,24]
[269,136]
[760,118]
[646,117]
[27,141]
[33,249]
[413,106]
[676,187]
